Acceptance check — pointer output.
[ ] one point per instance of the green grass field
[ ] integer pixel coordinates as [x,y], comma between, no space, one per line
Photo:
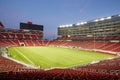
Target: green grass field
[48,57]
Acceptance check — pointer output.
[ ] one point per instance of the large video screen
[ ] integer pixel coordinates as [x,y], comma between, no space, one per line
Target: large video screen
[31,26]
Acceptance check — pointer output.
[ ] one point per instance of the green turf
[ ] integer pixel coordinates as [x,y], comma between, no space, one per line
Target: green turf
[48,57]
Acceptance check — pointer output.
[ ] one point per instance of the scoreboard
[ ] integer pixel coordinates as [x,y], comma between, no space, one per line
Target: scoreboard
[30,26]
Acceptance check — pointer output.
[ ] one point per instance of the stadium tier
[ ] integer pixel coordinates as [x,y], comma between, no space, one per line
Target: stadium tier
[15,71]
[106,26]
[102,67]
[21,35]
[99,35]
[108,47]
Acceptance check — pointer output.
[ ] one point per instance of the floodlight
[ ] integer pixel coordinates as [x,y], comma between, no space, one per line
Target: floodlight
[78,24]
[96,20]
[108,17]
[70,24]
[85,22]
[61,26]
[67,25]
[82,23]
[101,19]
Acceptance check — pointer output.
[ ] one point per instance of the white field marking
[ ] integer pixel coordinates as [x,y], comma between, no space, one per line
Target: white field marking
[24,56]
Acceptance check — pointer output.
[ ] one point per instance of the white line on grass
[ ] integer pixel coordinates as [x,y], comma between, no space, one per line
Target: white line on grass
[24,56]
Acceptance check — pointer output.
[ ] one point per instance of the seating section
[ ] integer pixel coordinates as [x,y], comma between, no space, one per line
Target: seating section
[88,38]
[20,36]
[7,65]
[103,70]
[107,46]
[34,40]
[10,70]
[111,67]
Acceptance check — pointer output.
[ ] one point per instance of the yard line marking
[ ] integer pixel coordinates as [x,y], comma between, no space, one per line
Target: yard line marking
[24,56]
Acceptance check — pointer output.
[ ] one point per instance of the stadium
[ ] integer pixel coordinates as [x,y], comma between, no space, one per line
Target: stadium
[83,51]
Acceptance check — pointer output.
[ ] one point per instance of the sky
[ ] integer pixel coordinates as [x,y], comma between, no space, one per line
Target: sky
[53,13]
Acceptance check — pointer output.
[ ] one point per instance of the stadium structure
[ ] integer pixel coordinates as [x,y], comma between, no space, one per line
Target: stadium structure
[100,35]
[97,32]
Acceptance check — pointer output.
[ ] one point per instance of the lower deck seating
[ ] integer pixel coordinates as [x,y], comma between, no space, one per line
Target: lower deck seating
[111,67]
[56,74]
[107,46]
[10,70]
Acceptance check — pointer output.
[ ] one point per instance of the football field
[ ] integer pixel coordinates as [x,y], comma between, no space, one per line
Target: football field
[49,57]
